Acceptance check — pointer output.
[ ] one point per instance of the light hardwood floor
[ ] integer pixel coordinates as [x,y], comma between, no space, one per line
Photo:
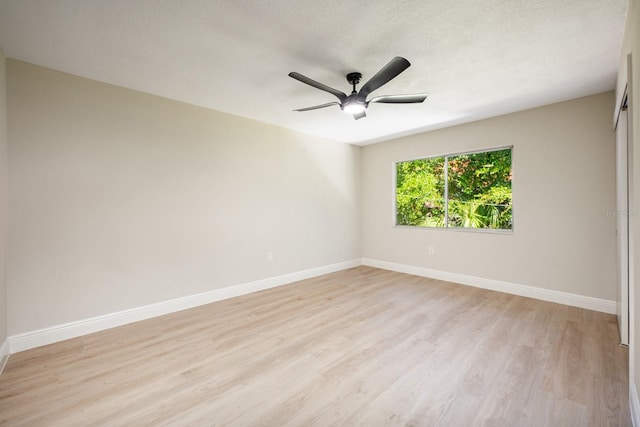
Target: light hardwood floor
[362,347]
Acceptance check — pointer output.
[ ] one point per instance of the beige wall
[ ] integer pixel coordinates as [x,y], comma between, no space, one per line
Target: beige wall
[563,195]
[4,175]
[120,199]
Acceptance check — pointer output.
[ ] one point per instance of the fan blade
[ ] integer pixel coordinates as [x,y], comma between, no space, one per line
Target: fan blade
[386,74]
[315,107]
[304,79]
[358,116]
[400,99]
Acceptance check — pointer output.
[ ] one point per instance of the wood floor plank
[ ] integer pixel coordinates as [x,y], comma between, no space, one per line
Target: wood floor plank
[361,347]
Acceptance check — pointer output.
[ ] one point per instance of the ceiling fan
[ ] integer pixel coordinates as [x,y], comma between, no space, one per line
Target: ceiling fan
[356,103]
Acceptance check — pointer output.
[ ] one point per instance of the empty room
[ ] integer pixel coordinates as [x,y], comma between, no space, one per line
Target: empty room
[273,213]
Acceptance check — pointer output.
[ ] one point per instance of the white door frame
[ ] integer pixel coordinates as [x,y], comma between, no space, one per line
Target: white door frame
[624,165]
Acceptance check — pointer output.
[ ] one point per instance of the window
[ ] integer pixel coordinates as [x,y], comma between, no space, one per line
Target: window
[468,190]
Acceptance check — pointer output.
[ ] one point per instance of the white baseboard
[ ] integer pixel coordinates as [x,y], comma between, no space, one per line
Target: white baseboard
[4,354]
[581,301]
[28,340]
[32,339]
[634,405]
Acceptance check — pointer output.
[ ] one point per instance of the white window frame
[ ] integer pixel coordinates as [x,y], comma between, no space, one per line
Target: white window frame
[446,193]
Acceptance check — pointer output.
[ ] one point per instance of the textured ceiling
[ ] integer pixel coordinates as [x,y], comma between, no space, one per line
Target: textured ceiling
[475,58]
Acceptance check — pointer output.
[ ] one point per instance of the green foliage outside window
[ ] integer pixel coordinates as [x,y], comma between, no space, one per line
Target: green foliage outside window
[478,191]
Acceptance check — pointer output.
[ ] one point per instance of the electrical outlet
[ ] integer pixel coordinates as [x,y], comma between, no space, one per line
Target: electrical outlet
[269,256]
[431,250]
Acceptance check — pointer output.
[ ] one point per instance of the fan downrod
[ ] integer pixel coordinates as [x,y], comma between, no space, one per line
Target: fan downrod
[354,79]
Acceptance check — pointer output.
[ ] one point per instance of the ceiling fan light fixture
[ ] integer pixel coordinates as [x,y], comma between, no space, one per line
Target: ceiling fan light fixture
[354,107]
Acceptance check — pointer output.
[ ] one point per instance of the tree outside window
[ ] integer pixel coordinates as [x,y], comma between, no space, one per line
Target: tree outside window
[469,190]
